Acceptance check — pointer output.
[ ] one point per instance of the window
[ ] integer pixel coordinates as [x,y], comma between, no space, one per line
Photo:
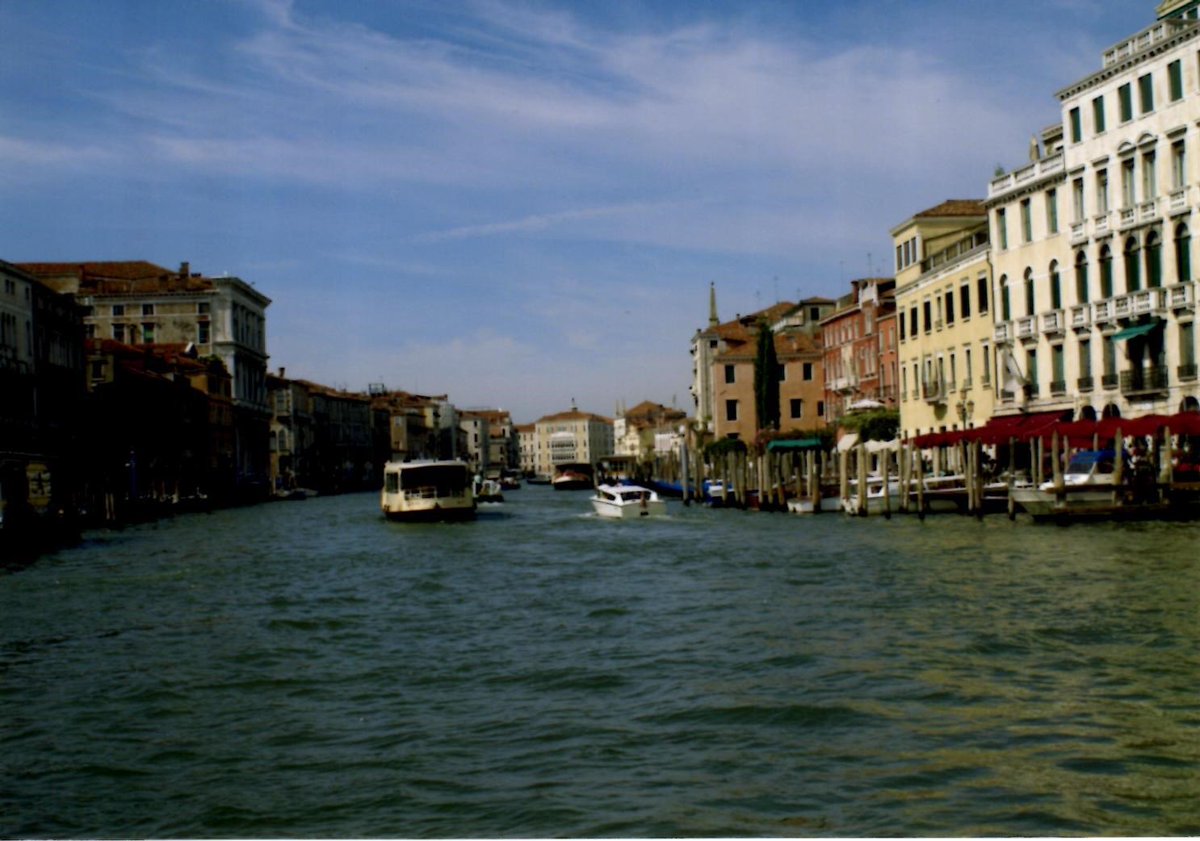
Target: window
[118,332]
[1175,77]
[987,366]
[1146,93]
[1029,296]
[1178,165]
[1127,197]
[820,408]
[964,300]
[1077,199]
[967,367]
[1125,97]
[1149,177]
[1031,370]
[1076,126]
[982,297]
[1085,358]
[1098,115]
[1081,278]
[1005,308]
[912,322]
[1106,273]
[731,410]
[1058,376]
[118,309]
[901,320]
[1187,347]
[949,307]
[783,373]
[1026,222]
[928,316]
[148,333]
[1052,211]
[1110,357]
[1055,287]
[203,334]
[797,407]
[147,309]
[1153,260]
[1101,192]
[1001,229]
[730,374]
[202,308]
[808,371]
[1133,275]
[1183,255]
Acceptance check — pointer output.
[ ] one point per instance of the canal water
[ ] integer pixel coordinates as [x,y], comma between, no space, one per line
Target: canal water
[310,669]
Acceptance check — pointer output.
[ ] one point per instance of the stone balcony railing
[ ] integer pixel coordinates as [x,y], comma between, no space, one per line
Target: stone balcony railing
[1049,165]
[1053,322]
[1027,327]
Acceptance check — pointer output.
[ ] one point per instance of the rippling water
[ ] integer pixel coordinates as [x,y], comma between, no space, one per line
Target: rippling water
[308,669]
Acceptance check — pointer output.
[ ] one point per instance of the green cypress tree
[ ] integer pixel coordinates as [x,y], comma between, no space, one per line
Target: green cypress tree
[766,379]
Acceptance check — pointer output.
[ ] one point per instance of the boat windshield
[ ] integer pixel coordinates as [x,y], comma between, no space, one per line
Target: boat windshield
[1100,461]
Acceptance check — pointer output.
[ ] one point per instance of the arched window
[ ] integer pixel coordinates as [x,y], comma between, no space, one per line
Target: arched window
[1055,287]
[1183,254]
[1153,260]
[1111,411]
[1133,274]
[1005,308]
[1029,310]
[1087,413]
[1106,273]
[1081,278]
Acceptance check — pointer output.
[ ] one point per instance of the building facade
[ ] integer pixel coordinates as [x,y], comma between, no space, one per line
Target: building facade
[944,318]
[853,347]
[571,436]
[1092,244]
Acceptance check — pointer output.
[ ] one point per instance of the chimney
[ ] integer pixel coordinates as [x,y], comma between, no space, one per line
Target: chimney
[282,371]
[185,269]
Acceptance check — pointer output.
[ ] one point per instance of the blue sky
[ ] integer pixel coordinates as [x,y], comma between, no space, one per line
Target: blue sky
[517,204]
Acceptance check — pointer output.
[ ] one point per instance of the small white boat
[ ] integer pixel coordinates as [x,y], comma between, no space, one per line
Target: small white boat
[627,502]
[488,491]
[427,490]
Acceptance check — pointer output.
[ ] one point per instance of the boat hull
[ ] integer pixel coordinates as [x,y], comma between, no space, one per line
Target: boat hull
[427,511]
[629,511]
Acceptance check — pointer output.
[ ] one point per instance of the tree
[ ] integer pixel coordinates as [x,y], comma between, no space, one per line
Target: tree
[766,379]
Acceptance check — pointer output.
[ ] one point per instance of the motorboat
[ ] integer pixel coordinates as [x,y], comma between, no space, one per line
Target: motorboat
[427,490]
[488,491]
[1090,488]
[573,476]
[627,502]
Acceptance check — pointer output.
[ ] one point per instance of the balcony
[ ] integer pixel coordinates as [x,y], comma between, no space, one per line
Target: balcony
[1081,317]
[1084,384]
[1004,333]
[1027,327]
[1177,201]
[1100,224]
[1032,391]
[934,392]
[965,385]
[1147,302]
[1181,296]
[1103,312]
[1187,373]
[1148,210]
[1058,387]
[1053,322]
[1144,380]
[1127,216]
[1078,232]
[1109,381]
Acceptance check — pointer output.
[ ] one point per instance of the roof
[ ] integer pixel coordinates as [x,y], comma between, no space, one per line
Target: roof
[574,414]
[953,207]
[116,277]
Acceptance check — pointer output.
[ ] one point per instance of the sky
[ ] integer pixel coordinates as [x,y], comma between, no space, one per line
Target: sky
[518,204]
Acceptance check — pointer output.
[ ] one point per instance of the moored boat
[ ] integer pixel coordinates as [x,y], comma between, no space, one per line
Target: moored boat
[427,490]
[1092,487]
[627,502]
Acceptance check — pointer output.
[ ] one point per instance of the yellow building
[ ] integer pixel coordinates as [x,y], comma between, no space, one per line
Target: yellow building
[944,314]
[571,436]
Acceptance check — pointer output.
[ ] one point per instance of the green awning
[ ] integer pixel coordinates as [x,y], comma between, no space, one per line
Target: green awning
[795,444]
[1135,330]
